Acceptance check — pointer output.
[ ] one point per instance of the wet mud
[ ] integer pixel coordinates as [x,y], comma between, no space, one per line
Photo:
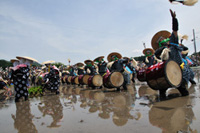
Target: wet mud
[79,109]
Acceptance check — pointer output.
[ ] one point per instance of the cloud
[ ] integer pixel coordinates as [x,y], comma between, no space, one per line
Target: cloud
[82,30]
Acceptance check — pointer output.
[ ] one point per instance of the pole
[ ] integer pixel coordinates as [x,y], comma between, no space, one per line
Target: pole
[195,46]
[144,45]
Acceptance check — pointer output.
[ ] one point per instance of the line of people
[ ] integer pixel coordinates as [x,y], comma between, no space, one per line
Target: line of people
[165,46]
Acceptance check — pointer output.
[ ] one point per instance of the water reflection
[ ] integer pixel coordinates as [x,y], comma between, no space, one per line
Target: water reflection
[172,115]
[52,106]
[114,105]
[121,108]
[23,120]
[147,93]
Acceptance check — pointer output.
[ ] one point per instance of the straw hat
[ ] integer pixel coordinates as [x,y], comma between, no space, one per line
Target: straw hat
[27,58]
[148,49]
[126,58]
[48,62]
[155,40]
[79,64]
[114,53]
[87,61]
[43,67]
[13,60]
[98,58]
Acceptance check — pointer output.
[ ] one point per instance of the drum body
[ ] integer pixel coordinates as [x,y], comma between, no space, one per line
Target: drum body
[80,79]
[73,79]
[141,75]
[164,75]
[64,79]
[113,80]
[95,80]
[85,79]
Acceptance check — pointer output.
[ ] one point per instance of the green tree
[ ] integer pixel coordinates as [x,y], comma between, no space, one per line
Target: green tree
[4,64]
[58,64]
[139,58]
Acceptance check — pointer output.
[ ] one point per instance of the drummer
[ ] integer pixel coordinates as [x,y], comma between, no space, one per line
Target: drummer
[102,65]
[71,70]
[90,68]
[149,57]
[119,66]
[131,67]
[166,46]
[184,54]
[80,68]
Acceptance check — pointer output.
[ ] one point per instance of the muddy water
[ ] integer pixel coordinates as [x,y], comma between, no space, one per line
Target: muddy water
[82,110]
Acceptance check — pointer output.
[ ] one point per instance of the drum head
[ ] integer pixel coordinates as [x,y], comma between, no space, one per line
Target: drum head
[69,79]
[85,79]
[117,79]
[97,80]
[76,80]
[173,73]
[64,78]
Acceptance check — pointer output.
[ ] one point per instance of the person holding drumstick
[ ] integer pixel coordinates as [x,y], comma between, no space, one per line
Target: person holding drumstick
[80,68]
[119,66]
[90,68]
[186,59]
[102,65]
[150,58]
[169,49]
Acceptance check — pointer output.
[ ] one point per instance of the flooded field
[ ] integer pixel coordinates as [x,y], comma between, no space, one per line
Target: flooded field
[80,109]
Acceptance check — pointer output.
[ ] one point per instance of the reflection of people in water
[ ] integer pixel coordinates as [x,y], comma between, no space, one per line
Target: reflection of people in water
[23,119]
[120,104]
[146,92]
[172,115]
[95,101]
[121,109]
[104,111]
[91,98]
[83,98]
[52,107]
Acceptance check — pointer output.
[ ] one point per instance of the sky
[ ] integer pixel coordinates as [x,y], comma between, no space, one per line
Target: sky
[85,29]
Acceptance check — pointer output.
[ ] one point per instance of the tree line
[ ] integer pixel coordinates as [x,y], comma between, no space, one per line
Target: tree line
[4,63]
